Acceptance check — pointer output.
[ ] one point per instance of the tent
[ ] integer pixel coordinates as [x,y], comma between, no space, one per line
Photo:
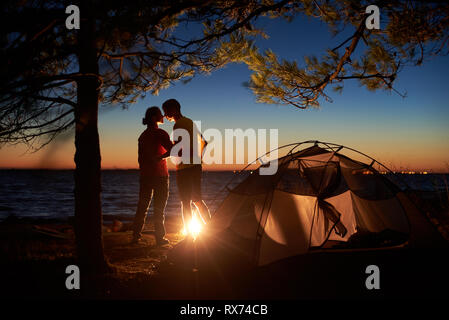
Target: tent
[319,199]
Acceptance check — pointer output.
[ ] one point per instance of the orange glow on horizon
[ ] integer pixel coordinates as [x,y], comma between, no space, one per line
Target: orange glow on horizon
[124,156]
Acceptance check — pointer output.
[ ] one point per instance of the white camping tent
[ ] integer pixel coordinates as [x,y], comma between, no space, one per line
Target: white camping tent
[319,199]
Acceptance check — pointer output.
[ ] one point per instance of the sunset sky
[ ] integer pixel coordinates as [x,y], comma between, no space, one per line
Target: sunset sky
[409,132]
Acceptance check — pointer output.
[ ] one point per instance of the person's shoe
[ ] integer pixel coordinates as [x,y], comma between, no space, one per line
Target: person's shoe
[162,242]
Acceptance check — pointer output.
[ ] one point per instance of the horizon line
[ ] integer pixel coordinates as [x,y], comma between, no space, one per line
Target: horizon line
[404,171]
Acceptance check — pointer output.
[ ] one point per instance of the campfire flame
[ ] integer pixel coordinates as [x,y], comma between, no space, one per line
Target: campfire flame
[194,227]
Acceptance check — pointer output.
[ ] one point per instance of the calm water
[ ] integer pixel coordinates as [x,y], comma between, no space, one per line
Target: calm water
[49,194]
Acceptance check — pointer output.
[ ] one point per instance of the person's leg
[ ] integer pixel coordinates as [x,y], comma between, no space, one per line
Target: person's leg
[184,189]
[145,194]
[186,210]
[195,179]
[159,203]
[203,210]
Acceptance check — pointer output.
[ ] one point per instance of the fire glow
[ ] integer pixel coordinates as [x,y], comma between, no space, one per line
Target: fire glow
[194,227]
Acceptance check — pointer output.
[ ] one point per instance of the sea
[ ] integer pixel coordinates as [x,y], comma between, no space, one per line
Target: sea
[48,194]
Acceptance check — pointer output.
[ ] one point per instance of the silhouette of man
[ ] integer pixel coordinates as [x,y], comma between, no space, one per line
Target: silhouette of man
[188,175]
[154,146]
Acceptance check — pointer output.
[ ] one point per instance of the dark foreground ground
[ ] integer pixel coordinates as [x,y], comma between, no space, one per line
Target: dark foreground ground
[34,256]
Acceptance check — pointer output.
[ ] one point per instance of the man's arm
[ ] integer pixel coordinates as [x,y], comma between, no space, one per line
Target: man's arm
[204,140]
[177,139]
[203,145]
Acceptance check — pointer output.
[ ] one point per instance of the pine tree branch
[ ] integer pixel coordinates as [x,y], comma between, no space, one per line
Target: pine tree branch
[349,50]
[259,11]
[39,126]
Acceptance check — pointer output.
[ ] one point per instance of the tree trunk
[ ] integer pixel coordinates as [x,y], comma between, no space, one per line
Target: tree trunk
[88,215]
